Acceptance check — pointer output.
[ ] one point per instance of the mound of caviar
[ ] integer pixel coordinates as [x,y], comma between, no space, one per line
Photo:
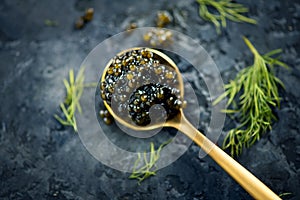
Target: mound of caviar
[137,80]
[121,64]
[131,69]
[160,98]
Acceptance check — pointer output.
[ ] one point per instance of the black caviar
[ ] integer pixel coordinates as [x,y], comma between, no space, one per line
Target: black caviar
[140,72]
[159,98]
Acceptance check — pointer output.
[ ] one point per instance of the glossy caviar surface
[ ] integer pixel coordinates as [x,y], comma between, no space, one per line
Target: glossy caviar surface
[137,80]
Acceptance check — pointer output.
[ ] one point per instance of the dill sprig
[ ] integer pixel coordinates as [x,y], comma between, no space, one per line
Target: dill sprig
[49,22]
[226,9]
[74,89]
[144,168]
[285,194]
[256,89]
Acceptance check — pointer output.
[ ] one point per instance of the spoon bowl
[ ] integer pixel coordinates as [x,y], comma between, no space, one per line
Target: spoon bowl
[164,59]
[248,181]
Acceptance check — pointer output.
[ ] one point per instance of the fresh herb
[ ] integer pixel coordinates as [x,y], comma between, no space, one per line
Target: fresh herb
[49,22]
[144,168]
[257,91]
[285,194]
[226,9]
[74,88]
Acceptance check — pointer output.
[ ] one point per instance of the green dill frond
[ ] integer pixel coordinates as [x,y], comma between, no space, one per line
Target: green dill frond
[255,89]
[226,9]
[74,89]
[145,167]
[49,22]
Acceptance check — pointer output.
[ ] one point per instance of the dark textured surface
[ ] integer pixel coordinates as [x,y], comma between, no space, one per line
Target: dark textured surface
[39,159]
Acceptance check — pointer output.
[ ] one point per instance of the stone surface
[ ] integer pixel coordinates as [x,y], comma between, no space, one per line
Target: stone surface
[40,159]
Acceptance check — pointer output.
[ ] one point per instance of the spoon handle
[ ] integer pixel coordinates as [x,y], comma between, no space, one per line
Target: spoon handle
[248,181]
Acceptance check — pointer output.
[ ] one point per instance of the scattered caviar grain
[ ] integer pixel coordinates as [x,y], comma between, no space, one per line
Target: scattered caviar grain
[89,14]
[163,18]
[107,120]
[84,19]
[79,24]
